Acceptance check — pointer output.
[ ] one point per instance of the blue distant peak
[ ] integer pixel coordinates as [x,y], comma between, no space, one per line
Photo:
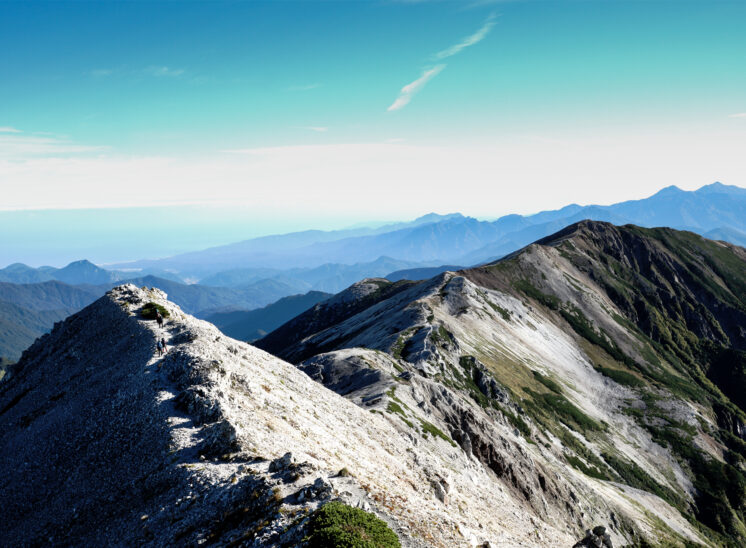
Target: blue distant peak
[668,191]
[435,217]
[719,188]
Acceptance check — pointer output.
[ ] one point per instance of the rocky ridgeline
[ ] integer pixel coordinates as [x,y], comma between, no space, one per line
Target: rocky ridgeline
[555,371]
[104,442]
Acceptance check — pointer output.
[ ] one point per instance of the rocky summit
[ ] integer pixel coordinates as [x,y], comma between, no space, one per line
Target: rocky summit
[584,391]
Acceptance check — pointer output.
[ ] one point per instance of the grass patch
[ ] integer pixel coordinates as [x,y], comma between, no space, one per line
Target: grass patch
[550,301]
[620,377]
[516,421]
[398,347]
[546,381]
[590,471]
[499,309]
[634,476]
[440,336]
[558,407]
[583,327]
[394,407]
[430,428]
[337,525]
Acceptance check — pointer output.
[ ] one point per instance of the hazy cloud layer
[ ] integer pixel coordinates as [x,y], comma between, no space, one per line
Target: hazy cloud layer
[18,147]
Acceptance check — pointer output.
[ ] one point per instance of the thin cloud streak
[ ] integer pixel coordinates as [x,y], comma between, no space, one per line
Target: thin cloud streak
[164,71]
[8,129]
[475,38]
[408,91]
[318,129]
[738,115]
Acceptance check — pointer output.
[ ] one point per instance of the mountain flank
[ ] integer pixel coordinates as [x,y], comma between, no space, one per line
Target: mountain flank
[616,353]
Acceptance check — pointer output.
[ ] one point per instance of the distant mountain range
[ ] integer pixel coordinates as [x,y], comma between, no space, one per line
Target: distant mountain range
[250,325]
[255,273]
[28,310]
[78,272]
[714,210]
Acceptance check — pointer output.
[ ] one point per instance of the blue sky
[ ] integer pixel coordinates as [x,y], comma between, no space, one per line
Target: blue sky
[331,111]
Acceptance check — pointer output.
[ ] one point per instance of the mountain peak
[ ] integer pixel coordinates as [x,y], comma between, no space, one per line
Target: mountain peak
[436,217]
[82,263]
[720,188]
[669,191]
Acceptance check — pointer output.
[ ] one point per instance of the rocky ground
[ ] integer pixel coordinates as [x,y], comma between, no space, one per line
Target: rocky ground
[217,441]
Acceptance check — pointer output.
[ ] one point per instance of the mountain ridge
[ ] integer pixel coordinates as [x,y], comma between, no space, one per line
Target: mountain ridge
[624,343]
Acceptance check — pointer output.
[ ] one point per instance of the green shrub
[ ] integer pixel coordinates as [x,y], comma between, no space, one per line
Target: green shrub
[337,525]
[620,377]
[591,471]
[583,327]
[516,421]
[148,311]
[634,476]
[550,301]
[556,405]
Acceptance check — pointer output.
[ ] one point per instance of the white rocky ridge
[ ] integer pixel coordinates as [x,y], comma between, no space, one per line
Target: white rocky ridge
[465,356]
[103,442]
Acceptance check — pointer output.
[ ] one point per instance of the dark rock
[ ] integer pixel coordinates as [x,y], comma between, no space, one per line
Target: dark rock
[595,538]
[219,438]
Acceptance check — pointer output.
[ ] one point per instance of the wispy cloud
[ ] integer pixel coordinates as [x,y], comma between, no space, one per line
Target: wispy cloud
[738,115]
[164,71]
[8,129]
[19,147]
[99,73]
[408,91]
[303,87]
[475,38]
[318,129]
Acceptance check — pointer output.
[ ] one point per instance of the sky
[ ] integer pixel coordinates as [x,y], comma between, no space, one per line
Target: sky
[267,116]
